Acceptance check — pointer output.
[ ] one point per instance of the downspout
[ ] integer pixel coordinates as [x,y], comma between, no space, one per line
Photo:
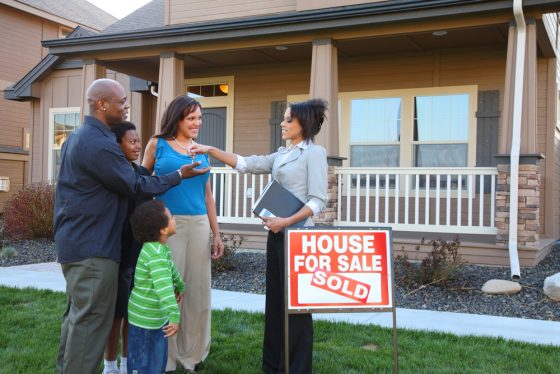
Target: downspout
[515,137]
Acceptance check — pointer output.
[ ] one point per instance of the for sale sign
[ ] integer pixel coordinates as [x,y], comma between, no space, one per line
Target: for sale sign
[339,268]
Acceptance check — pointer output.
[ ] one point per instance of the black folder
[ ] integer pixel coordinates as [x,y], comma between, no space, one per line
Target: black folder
[279,201]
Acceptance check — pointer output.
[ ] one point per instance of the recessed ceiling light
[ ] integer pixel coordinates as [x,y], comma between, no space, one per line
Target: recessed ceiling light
[439,33]
[281,48]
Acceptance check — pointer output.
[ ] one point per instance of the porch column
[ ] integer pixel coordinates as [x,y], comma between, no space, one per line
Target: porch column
[324,85]
[91,71]
[529,177]
[529,200]
[171,82]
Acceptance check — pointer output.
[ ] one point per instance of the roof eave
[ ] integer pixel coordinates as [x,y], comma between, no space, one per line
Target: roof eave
[285,23]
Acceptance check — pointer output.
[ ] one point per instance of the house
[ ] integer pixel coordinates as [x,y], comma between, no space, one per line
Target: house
[23,25]
[432,102]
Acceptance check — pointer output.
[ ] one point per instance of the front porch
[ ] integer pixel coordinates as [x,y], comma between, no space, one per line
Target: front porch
[419,204]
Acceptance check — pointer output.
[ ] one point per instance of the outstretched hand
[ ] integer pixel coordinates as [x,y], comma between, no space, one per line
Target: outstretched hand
[199,149]
[189,170]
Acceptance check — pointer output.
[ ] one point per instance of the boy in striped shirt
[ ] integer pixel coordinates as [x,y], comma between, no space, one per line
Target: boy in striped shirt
[153,313]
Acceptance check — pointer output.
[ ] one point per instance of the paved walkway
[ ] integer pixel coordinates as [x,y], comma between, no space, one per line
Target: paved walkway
[49,276]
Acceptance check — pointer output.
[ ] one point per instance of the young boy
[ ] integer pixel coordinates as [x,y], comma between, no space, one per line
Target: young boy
[153,313]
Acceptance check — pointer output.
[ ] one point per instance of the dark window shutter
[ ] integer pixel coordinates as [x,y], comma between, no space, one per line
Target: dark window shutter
[277,110]
[487,125]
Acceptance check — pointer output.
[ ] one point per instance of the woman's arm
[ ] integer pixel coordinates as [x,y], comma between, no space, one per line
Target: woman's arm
[149,158]
[223,156]
[213,219]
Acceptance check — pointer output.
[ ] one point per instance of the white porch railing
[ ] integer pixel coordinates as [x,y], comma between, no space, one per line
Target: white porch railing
[235,194]
[452,200]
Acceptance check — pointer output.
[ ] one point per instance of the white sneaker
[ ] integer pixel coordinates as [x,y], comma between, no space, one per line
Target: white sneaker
[111,371]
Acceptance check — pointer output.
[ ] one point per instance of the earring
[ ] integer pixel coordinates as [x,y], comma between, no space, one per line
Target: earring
[104,109]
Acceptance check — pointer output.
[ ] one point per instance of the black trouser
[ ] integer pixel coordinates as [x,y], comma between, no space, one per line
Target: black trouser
[300,325]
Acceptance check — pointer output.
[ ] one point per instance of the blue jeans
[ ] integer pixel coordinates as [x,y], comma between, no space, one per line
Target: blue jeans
[147,351]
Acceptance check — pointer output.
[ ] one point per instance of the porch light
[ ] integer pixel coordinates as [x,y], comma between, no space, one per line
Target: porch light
[224,88]
[439,33]
[281,48]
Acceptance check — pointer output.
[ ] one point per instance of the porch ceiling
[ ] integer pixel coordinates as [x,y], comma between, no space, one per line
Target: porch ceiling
[479,37]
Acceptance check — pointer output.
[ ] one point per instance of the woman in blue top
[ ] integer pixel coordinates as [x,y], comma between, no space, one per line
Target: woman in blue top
[194,208]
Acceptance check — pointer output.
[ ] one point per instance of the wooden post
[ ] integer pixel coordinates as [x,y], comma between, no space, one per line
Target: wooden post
[171,82]
[324,85]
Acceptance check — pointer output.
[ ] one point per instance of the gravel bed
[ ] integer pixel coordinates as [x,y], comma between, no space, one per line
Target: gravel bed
[27,252]
[461,295]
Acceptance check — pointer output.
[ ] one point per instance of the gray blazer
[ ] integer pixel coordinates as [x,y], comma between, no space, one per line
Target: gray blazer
[303,172]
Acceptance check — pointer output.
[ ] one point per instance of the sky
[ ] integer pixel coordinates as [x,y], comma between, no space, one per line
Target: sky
[119,8]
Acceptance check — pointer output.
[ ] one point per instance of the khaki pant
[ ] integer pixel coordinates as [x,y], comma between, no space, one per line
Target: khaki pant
[190,250]
[91,287]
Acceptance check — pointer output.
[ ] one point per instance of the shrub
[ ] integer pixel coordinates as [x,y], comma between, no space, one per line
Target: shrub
[7,252]
[28,214]
[232,242]
[441,265]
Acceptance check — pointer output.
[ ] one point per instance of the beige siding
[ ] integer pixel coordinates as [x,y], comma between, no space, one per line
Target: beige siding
[190,11]
[37,143]
[20,38]
[15,170]
[21,43]
[62,89]
[556,195]
[15,117]
[542,88]
[50,31]
[320,4]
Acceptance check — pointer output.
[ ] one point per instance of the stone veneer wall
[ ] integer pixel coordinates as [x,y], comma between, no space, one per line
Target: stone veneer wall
[327,216]
[528,207]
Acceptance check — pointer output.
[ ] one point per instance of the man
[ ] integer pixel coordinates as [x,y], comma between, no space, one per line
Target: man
[93,187]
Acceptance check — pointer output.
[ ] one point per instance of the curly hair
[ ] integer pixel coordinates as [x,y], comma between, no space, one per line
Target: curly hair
[147,221]
[121,129]
[310,114]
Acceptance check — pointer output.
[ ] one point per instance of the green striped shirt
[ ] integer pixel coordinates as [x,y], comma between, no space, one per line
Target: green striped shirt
[152,302]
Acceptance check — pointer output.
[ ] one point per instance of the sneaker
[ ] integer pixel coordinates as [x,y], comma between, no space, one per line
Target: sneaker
[111,371]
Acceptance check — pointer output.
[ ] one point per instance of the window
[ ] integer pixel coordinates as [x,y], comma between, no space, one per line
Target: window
[375,127]
[61,123]
[424,127]
[208,90]
[441,130]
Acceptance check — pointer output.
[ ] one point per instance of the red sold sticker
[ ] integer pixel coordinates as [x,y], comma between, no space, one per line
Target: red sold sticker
[341,285]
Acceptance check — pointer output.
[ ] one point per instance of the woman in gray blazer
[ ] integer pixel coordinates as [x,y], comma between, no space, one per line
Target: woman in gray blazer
[302,170]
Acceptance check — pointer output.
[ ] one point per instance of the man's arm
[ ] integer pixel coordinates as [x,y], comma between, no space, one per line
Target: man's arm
[115,172]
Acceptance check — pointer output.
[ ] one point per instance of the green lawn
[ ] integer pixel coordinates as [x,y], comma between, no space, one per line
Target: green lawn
[30,326]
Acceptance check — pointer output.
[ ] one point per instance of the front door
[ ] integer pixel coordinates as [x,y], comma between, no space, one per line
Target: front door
[213,132]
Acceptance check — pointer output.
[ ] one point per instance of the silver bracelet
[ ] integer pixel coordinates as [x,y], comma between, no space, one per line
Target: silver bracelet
[180,175]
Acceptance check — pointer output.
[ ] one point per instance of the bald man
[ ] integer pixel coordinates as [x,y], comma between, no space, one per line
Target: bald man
[92,191]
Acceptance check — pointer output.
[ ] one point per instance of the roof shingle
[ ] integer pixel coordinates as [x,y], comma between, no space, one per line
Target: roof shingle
[79,11]
[149,16]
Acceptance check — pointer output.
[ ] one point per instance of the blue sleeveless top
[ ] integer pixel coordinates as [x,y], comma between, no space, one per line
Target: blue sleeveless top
[189,197]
